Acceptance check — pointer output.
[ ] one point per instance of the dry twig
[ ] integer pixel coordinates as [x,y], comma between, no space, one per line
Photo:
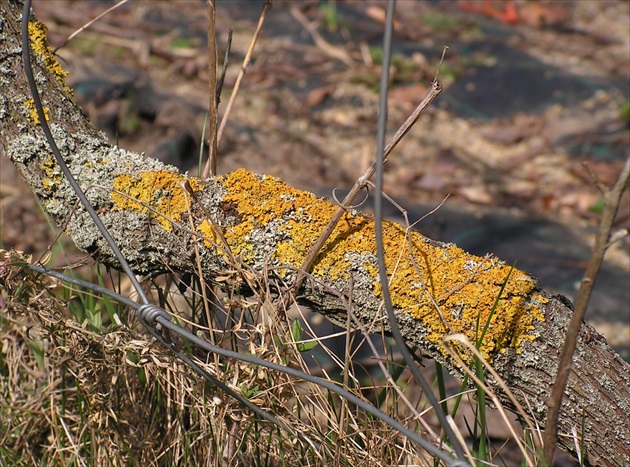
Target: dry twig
[239,79]
[88,24]
[362,181]
[329,49]
[612,198]
[212,100]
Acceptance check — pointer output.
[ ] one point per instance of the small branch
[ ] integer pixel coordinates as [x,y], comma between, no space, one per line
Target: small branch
[211,165]
[88,24]
[246,62]
[603,189]
[611,204]
[362,181]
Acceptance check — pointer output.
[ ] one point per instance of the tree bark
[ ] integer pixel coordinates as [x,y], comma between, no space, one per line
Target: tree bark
[247,221]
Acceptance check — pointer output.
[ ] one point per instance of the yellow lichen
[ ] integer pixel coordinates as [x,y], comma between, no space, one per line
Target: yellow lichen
[211,238]
[160,190]
[53,173]
[449,290]
[33,116]
[259,202]
[39,44]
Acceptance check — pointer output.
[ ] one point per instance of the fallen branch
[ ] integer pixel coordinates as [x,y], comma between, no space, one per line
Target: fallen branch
[270,227]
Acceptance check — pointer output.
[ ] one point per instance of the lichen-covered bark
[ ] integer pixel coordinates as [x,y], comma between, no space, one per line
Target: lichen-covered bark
[267,226]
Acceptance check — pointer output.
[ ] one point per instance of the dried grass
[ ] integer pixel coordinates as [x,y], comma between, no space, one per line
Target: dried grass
[70,395]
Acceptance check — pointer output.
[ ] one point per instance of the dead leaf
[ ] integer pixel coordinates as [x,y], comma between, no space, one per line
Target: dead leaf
[475,194]
[317,96]
[378,14]
[541,15]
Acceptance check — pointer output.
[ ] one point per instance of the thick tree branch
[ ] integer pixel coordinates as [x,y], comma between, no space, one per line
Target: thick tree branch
[243,220]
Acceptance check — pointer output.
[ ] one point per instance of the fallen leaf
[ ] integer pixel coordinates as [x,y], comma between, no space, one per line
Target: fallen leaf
[317,96]
[378,14]
[475,194]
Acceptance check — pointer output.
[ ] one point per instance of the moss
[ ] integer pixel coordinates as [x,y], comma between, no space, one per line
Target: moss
[39,44]
[161,190]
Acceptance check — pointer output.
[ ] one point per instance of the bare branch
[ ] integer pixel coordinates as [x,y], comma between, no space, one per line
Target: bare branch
[612,198]
[244,66]
[211,167]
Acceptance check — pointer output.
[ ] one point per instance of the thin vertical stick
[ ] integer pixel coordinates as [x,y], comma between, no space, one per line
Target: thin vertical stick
[246,62]
[211,167]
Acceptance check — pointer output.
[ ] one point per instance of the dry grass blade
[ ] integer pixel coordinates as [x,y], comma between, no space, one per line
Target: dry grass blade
[112,395]
[416,415]
[461,339]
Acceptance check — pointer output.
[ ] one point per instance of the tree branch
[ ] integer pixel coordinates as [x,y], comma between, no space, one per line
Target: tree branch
[268,227]
[612,198]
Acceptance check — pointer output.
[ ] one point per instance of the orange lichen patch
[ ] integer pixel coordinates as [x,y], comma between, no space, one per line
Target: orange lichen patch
[451,291]
[39,44]
[160,190]
[211,237]
[447,289]
[32,112]
[209,234]
[304,217]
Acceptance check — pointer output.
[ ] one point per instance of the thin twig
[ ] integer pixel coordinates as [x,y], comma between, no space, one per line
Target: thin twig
[362,181]
[241,74]
[603,189]
[612,198]
[211,167]
[329,49]
[88,24]
[226,60]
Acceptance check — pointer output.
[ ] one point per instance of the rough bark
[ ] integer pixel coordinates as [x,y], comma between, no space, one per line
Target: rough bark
[243,220]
